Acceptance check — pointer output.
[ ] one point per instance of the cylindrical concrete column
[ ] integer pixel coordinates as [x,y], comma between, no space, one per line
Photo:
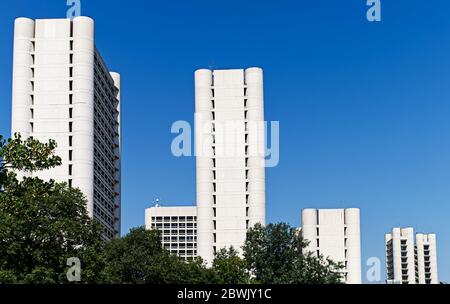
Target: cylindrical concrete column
[353,235]
[309,228]
[22,88]
[433,259]
[83,107]
[204,164]
[254,107]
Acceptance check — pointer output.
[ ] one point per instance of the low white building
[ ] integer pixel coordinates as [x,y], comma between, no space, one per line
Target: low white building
[178,226]
[335,234]
[411,259]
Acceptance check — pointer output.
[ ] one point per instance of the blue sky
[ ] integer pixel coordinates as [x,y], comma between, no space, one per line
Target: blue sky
[364,108]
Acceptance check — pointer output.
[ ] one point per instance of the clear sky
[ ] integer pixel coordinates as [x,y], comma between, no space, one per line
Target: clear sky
[364,108]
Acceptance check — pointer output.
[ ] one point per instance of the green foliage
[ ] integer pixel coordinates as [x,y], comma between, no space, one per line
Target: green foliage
[275,255]
[29,155]
[230,268]
[138,258]
[42,223]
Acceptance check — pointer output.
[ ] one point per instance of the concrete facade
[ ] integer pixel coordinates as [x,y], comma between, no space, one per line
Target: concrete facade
[63,90]
[335,234]
[230,142]
[178,226]
[411,259]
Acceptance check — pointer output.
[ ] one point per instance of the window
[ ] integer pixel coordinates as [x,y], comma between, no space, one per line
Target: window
[214,225]
[70,183]
[70,155]
[70,169]
[215,212]
[246,211]
[71,72]
[70,126]
[247,224]
[215,237]
[70,112]
[32,127]
[70,85]
[32,114]
[70,98]
[70,141]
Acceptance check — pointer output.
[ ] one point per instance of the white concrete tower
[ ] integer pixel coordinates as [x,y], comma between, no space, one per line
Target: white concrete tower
[426,259]
[400,256]
[62,90]
[335,234]
[230,143]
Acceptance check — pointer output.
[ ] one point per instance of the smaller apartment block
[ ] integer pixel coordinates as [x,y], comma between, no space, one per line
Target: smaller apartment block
[178,226]
[335,234]
[409,262]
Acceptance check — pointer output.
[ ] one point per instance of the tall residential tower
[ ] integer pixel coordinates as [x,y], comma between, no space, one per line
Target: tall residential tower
[230,142]
[63,90]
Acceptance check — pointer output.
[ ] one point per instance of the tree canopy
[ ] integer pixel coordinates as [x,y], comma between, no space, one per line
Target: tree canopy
[276,254]
[44,223]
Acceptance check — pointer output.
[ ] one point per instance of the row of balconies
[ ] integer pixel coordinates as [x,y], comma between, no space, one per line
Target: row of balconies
[179,239]
[175,225]
[187,232]
[158,219]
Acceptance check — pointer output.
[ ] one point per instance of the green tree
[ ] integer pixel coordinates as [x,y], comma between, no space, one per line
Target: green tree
[276,254]
[42,223]
[230,268]
[138,258]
